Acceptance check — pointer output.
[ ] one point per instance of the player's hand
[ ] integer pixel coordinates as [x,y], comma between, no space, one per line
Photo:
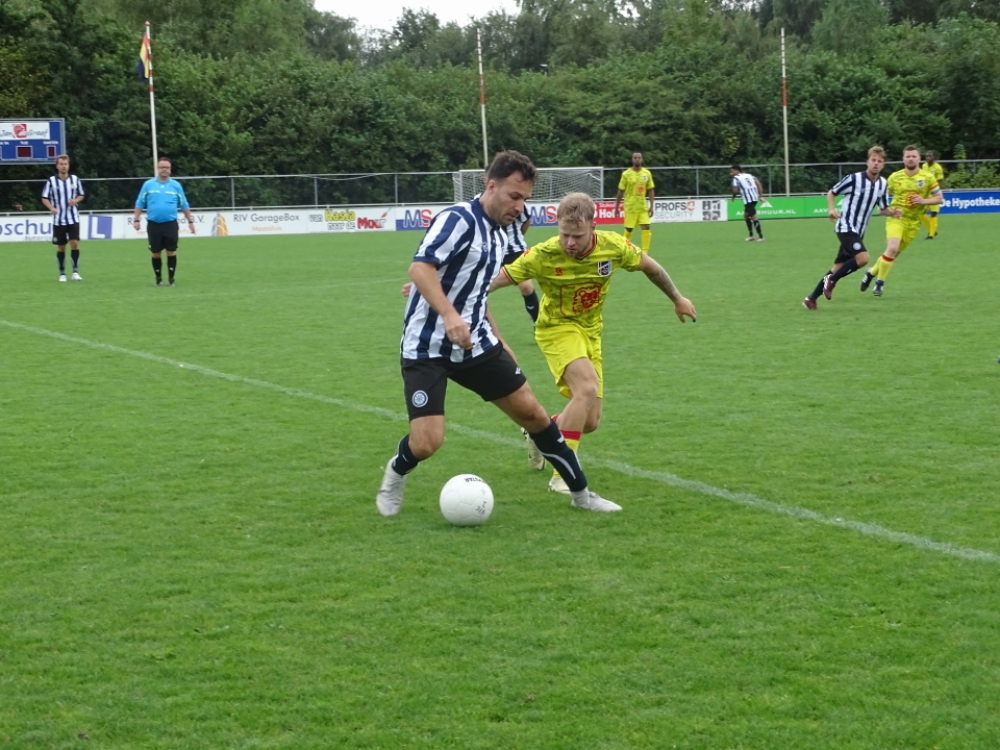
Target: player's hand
[617,212]
[684,307]
[457,331]
[191,224]
[834,215]
[405,291]
[915,200]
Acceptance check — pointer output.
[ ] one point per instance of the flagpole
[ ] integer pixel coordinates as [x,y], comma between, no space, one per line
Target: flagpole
[784,109]
[152,101]
[482,98]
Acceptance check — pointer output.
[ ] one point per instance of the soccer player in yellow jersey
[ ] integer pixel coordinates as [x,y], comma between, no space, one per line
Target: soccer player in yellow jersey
[637,188]
[574,271]
[930,217]
[911,188]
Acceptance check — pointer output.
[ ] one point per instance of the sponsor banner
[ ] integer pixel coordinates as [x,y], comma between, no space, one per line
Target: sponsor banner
[543,214]
[797,207]
[971,202]
[350,220]
[687,209]
[38,227]
[415,217]
[11,130]
[606,213]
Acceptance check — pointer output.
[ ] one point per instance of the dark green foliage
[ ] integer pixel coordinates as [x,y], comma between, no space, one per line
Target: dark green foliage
[276,87]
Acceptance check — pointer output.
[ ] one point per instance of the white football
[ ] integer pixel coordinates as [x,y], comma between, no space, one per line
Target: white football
[466,500]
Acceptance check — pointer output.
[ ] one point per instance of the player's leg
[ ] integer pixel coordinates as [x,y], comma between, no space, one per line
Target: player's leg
[60,237]
[647,235]
[154,236]
[748,213]
[530,298]
[935,212]
[756,225]
[73,230]
[909,234]
[631,220]
[852,256]
[425,384]
[925,219]
[495,378]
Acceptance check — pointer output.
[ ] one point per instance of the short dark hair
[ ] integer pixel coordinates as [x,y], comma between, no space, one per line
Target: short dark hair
[166,159]
[930,153]
[507,163]
[737,167]
[911,148]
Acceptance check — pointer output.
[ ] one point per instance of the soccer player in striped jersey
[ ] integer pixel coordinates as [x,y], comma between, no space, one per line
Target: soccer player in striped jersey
[749,189]
[863,192]
[911,189]
[636,187]
[62,193]
[449,335]
[930,217]
[574,270]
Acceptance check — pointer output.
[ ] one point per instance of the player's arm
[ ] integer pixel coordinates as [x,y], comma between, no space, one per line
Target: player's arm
[935,199]
[832,211]
[48,204]
[425,278]
[496,332]
[501,280]
[188,215]
[526,226]
[661,279]
[140,204]
[651,194]
[618,199]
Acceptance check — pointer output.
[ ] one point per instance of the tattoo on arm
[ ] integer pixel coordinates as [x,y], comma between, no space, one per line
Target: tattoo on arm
[662,279]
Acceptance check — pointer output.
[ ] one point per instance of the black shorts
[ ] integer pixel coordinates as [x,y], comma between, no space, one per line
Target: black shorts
[63,233]
[492,375]
[850,245]
[750,209]
[511,257]
[162,235]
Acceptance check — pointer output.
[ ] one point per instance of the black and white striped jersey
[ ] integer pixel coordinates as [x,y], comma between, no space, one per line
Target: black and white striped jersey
[861,197]
[747,185]
[60,193]
[467,248]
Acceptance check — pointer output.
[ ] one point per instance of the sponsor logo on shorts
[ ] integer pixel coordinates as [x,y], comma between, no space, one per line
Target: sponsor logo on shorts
[857,246]
[419,399]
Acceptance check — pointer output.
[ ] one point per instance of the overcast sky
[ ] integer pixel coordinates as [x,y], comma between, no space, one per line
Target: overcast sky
[382,14]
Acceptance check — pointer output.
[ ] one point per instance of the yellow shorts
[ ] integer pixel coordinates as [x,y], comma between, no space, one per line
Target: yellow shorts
[933,209]
[906,231]
[636,218]
[565,343]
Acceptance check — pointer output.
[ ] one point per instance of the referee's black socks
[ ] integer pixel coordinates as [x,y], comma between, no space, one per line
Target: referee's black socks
[158,267]
[171,266]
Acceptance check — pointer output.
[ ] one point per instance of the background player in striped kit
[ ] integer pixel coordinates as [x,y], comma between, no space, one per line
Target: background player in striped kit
[862,192]
[749,189]
[448,335]
[62,193]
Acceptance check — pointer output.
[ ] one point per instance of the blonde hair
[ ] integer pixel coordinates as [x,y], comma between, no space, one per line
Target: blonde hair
[576,208]
[876,151]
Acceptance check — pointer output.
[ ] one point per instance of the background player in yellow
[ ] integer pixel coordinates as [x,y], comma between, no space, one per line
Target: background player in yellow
[911,189]
[636,186]
[574,271]
[930,217]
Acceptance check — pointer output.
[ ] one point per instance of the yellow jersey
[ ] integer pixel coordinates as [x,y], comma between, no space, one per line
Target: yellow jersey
[635,186]
[902,186]
[575,288]
[935,169]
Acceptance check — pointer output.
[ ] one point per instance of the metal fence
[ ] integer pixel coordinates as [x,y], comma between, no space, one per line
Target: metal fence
[396,188]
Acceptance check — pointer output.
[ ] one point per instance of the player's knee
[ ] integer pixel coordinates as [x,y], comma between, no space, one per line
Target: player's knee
[592,423]
[426,444]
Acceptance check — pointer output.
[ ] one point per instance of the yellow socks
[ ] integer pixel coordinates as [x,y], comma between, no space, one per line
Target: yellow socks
[647,238]
[628,234]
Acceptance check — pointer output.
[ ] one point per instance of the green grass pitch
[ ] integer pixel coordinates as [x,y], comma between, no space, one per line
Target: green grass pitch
[808,556]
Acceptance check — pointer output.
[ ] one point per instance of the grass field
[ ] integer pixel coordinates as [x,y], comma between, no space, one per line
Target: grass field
[808,555]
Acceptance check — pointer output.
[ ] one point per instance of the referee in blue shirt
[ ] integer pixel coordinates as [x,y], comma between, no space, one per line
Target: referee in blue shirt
[162,197]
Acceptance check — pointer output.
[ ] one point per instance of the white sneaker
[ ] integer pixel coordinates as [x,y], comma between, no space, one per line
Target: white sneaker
[76,276]
[593,501]
[749,239]
[62,277]
[390,495]
[558,484]
[535,458]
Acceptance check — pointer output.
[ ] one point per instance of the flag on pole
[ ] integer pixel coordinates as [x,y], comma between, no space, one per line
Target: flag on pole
[145,65]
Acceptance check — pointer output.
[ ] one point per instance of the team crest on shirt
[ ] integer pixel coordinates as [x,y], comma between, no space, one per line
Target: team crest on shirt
[585,298]
[920,183]
[604,268]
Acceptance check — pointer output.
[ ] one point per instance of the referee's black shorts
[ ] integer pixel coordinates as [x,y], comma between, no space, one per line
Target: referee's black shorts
[162,235]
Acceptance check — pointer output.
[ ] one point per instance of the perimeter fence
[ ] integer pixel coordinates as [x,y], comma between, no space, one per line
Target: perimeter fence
[401,188]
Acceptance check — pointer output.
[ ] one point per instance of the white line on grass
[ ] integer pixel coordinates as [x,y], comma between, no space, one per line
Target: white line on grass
[742,498]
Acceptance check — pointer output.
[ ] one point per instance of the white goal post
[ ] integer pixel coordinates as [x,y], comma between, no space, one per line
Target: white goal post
[551,183]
